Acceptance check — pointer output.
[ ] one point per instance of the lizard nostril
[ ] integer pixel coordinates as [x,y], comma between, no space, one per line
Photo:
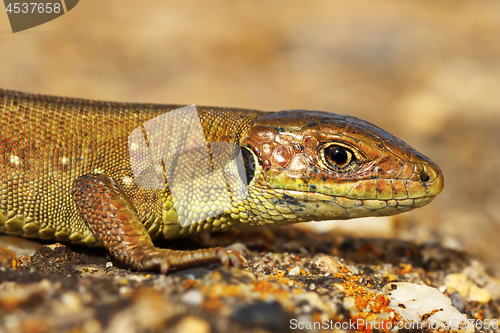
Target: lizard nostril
[424,177]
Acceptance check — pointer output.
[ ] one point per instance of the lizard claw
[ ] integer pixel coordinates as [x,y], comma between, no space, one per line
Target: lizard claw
[164,266]
[231,258]
[237,260]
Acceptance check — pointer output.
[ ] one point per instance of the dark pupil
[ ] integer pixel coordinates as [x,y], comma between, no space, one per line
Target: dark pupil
[337,155]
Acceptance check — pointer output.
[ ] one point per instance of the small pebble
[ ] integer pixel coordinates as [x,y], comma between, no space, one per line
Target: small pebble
[192,297]
[271,315]
[316,301]
[421,303]
[8,257]
[457,301]
[457,282]
[71,302]
[193,324]
[477,294]
[327,264]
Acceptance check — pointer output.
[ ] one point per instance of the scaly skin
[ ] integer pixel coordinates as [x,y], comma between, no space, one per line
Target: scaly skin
[66,174]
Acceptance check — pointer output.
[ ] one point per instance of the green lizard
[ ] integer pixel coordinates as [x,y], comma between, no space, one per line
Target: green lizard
[68,173]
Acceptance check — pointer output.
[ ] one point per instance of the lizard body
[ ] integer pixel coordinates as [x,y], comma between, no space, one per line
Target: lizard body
[66,174]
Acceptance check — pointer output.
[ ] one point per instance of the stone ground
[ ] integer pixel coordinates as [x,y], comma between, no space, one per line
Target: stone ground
[291,275]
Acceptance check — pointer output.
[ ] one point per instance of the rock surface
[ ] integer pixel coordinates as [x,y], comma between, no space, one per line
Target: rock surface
[294,279]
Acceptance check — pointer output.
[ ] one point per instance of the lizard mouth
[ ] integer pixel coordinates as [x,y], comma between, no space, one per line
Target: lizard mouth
[319,206]
[379,191]
[317,196]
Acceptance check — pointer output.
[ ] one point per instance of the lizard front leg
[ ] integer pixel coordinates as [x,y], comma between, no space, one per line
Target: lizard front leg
[113,219]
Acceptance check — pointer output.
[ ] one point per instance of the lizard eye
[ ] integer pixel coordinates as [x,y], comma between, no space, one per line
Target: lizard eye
[338,156]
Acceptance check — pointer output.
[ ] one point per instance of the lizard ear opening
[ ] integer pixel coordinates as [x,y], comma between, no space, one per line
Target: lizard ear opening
[249,161]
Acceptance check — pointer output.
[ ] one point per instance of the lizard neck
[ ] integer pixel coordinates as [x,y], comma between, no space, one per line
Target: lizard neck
[226,125]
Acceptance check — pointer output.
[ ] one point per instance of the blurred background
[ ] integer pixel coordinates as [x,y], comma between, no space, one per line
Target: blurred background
[428,72]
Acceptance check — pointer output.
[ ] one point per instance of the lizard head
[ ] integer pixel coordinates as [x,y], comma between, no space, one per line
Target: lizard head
[323,166]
